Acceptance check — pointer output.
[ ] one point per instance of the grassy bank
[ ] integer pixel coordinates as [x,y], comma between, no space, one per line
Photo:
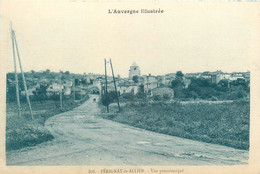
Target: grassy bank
[219,123]
[23,131]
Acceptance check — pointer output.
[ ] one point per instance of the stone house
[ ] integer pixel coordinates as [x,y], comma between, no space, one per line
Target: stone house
[162,92]
[149,86]
[128,88]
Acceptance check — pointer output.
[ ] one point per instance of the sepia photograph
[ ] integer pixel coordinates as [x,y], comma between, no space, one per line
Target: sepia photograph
[142,84]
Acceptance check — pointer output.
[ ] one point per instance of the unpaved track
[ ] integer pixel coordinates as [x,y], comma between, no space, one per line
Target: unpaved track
[82,138]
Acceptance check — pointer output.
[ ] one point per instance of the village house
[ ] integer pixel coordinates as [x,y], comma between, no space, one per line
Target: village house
[205,75]
[149,79]
[128,88]
[160,80]
[110,87]
[235,76]
[30,91]
[225,76]
[215,78]
[67,90]
[162,92]
[149,86]
[54,88]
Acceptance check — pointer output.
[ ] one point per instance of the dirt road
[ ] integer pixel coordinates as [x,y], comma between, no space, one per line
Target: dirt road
[82,138]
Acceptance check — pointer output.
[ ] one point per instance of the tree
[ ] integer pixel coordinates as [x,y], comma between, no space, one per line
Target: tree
[47,71]
[108,98]
[178,87]
[77,82]
[202,88]
[135,79]
[223,85]
[84,82]
[41,93]
[67,72]
[11,93]
[179,75]
[193,95]
[141,88]
[177,83]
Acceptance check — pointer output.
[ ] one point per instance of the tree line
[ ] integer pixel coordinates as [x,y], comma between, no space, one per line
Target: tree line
[200,88]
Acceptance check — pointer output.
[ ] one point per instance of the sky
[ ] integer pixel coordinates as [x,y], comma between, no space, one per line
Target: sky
[77,37]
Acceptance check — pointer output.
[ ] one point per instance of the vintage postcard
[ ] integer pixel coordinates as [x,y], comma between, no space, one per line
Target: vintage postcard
[129,87]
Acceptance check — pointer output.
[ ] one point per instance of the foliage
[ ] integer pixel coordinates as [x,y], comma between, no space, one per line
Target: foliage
[84,82]
[201,88]
[141,88]
[41,93]
[157,97]
[135,79]
[47,71]
[77,83]
[108,98]
[166,97]
[141,95]
[179,74]
[220,123]
[128,96]
[177,83]
[23,131]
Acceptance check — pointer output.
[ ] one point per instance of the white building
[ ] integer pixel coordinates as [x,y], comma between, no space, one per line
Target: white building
[128,88]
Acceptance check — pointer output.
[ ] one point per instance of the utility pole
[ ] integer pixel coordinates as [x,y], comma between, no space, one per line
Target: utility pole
[24,81]
[74,93]
[106,94]
[115,85]
[60,90]
[16,78]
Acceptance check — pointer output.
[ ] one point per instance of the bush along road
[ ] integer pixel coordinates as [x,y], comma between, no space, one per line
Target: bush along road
[81,137]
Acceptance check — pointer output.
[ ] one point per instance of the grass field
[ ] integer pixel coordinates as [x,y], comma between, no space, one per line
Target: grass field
[23,131]
[219,123]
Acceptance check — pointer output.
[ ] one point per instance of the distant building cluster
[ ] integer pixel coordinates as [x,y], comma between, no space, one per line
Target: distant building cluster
[149,85]
[137,83]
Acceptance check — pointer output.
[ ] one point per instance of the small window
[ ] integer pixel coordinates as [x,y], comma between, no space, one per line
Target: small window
[134,68]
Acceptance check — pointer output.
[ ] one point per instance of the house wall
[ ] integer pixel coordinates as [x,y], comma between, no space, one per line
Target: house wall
[161,91]
[215,78]
[128,89]
[149,86]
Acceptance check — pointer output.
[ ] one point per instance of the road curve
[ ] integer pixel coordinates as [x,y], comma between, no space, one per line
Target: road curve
[82,138]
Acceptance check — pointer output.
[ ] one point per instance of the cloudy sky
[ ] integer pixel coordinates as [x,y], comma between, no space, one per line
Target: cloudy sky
[78,36]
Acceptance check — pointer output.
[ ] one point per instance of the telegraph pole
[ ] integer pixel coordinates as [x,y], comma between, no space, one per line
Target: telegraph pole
[115,85]
[60,90]
[106,94]
[24,81]
[16,78]
[74,93]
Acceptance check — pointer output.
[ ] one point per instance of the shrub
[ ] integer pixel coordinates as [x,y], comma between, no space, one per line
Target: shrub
[157,97]
[166,97]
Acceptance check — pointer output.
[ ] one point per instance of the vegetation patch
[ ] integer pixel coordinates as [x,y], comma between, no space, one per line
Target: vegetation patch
[225,123]
[24,131]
